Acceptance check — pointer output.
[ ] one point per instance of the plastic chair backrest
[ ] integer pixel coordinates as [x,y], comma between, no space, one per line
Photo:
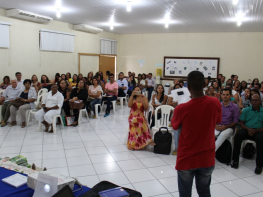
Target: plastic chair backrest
[165,115]
[38,99]
[42,91]
[146,114]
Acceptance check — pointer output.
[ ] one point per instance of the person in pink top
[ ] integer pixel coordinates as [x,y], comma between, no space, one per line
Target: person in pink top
[111,90]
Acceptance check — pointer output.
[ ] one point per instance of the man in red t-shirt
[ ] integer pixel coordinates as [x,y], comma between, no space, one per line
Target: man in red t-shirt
[196,151]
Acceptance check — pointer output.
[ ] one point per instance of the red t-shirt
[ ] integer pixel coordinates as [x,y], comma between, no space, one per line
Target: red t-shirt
[198,118]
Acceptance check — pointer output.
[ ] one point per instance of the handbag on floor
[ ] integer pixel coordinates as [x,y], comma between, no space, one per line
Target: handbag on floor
[105,185]
[163,141]
[69,120]
[248,151]
[224,153]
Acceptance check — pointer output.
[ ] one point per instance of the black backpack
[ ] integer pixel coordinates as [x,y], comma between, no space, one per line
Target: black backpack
[249,151]
[224,153]
[163,141]
[105,185]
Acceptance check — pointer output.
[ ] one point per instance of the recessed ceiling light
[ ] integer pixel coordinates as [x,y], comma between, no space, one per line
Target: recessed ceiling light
[112,22]
[58,14]
[235,2]
[128,5]
[239,23]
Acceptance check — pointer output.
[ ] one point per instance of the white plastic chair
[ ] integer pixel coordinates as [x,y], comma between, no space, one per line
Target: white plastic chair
[42,91]
[81,115]
[113,104]
[97,110]
[54,124]
[122,99]
[29,112]
[164,122]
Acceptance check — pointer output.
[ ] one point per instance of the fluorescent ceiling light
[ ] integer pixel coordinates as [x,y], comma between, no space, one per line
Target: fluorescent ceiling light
[239,23]
[58,14]
[128,5]
[235,2]
[112,22]
[167,19]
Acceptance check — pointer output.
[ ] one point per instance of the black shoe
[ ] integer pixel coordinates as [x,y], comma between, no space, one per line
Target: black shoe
[258,170]
[235,165]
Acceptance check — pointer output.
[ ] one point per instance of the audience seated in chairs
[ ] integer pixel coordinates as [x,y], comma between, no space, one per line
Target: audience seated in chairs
[111,91]
[139,134]
[230,115]
[251,122]
[6,82]
[77,94]
[51,106]
[9,95]
[131,85]
[94,93]
[123,85]
[28,97]
[34,83]
[63,89]
[157,100]
[150,86]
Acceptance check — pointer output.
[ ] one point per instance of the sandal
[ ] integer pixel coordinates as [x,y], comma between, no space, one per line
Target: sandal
[47,127]
[23,125]
[12,123]
[75,124]
[51,130]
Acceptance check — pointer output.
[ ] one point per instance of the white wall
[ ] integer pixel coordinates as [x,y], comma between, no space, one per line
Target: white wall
[24,54]
[239,53]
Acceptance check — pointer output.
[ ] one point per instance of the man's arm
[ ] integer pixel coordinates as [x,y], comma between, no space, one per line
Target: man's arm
[176,119]
[2,99]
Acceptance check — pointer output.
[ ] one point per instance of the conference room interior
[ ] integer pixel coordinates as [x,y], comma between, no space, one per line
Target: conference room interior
[164,38]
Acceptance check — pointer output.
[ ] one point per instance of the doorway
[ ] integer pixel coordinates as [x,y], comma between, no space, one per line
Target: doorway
[107,63]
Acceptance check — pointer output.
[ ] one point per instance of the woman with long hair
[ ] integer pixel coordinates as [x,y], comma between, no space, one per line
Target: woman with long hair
[63,89]
[131,85]
[139,133]
[253,82]
[63,76]
[211,92]
[68,77]
[229,81]
[90,78]
[216,87]
[102,78]
[236,86]
[74,82]
[100,82]
[35,83]
[80,76]
[176,82]
[243,86]
[45,81]
[6,82]
[158,99]
[144,82]
[245,99]
[77,94]
[56,78]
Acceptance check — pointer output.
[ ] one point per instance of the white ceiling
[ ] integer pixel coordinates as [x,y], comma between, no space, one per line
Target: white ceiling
[147,15]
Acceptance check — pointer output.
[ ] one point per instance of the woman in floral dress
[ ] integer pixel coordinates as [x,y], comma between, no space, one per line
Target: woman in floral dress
[139,134]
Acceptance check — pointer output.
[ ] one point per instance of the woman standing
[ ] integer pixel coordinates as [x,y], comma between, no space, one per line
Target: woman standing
[6,82]
[77,94]
[139,134]
[95,91]
[63,89]
[131,85]
[28,97]
[34,83]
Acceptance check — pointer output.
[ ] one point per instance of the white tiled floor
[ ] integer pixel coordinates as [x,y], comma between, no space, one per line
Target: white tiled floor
[95,151]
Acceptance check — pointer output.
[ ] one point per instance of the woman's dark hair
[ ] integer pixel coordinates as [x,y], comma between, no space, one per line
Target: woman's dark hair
[107,72]
[58,84]
[79,75]
[139,75]
[253,82]
[218,88]
[227,81]
[143,74]
[62,75]
[249,98]
[84,85]
[69,74]
[255,90]
[47,79]
[101,74]
[6,77]
[56,77]
[73,78]
[95,78]
[98,75]
[181,81]
[135,96]
[27,81]
[91,76]
[162,96]
[177,85]
[219,83]
[133,81]
[241,87]
[32,78]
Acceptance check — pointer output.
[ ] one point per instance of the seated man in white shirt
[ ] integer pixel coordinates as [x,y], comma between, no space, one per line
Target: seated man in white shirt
[51,106]
[9,95]
[123,85]
[19,80]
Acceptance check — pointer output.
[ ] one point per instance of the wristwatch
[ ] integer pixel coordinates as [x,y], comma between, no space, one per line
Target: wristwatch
[25,100]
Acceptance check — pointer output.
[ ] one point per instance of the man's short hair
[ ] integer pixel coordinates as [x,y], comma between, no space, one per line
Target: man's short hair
[232,76]
[258,84]
[196,80]
[26,81]
[226,89]
[255,90]
[129,72]
[150,74]
[111,75]
[13,80]
[229,84]
[221,74]
[18,73]
[121,73]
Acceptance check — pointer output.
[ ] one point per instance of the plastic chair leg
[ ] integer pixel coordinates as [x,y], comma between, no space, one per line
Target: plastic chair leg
[54,124]
[121,100]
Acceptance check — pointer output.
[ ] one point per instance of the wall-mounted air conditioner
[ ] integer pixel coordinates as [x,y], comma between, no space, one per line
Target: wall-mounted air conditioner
[87,28]
[29,16]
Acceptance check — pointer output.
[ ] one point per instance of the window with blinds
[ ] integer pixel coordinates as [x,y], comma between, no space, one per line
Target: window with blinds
[108,46]
[56,41]
[4,34]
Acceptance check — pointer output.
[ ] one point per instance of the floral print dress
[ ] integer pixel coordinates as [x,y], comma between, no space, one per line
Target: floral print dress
[139,134]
